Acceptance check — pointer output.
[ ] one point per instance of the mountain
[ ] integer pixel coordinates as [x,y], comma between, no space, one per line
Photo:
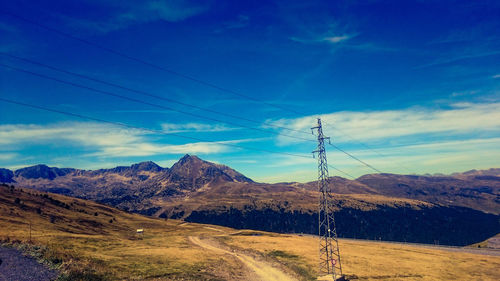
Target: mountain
[128,187]
[192,173]
[42,171]
[452,209]
[133,170]
[6,175]
[489,172]
[472,190]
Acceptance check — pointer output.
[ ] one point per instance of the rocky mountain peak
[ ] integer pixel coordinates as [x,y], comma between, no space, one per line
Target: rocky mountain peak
[189,164]
[192,173]
[188,159]
[149,166]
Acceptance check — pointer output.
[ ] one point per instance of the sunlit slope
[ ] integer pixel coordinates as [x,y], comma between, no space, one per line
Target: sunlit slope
[364,260]
[103,240]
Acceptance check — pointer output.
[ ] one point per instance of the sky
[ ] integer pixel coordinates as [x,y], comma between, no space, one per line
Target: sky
[409,87]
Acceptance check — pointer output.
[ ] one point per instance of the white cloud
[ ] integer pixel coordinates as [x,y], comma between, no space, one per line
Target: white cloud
[8,156]
[333,39]
[434,157]
[148,149]
[417,140]
[126,13]
[376,125]
[86,134]
[496,76]
[101,140]
[336,39]
[194,127]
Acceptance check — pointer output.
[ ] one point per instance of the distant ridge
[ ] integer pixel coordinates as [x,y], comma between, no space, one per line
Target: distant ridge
[6,175]
[137,186]
[457,209]
[42,171]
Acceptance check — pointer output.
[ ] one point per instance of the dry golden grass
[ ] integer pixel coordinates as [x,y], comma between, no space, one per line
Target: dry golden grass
[107,245]
[381,261]
[111,249]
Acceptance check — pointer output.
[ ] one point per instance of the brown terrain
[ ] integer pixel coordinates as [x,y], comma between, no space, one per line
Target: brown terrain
[200,191]
[84,240]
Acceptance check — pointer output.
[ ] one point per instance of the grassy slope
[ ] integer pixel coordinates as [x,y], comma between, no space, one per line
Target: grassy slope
[376,261]
[79,237]
[112,249]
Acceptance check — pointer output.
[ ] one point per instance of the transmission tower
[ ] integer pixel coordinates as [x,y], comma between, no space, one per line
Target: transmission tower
[329,255]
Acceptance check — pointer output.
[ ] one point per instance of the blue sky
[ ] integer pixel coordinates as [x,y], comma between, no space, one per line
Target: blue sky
[416,81]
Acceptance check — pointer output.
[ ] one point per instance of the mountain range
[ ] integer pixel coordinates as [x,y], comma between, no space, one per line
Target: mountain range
[450,208]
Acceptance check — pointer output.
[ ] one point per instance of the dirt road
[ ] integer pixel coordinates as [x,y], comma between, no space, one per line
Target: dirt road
[262,270]
[16,266]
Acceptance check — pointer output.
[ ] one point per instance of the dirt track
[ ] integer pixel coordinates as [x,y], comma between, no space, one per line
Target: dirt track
[262,270]
[16,266]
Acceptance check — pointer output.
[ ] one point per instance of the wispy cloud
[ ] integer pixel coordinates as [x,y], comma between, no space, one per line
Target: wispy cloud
[496,76]
[194,127]
[432,157]
[336,39]
[123,14]
[8,156]
[375,125]
[148,149]
[240,22]
[458,58]
[331,39]
[464,93]
[343,41]
[412,140]
[102,140]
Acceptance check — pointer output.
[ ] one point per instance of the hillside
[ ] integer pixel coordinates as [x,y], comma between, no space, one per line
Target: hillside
[133,187]
[85,246]
[90,241]
[480,192]
[459,209]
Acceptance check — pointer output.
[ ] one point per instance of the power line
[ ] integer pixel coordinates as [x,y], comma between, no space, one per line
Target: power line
[185,76]
[168,108]
[170,71]
[173,72]
[356,158]
[142,92]
[363,144]
[345,173]
[147,103]
[81,116]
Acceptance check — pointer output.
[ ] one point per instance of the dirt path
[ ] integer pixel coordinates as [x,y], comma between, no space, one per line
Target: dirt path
[262,270]
[16,266]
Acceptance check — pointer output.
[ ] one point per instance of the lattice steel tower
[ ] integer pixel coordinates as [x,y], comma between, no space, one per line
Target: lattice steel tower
[329,254]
